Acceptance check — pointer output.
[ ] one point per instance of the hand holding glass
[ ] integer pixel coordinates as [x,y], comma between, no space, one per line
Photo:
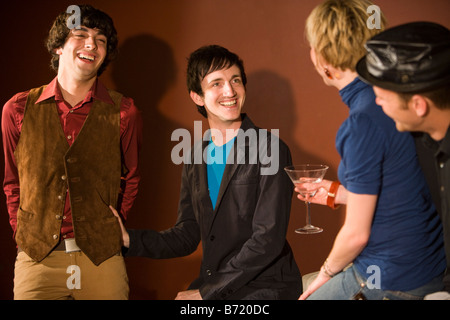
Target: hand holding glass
[311,174]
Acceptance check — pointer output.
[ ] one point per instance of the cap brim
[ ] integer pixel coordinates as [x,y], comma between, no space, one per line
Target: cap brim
[364,75]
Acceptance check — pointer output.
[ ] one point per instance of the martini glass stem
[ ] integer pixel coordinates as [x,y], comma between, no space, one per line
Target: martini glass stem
[308,214]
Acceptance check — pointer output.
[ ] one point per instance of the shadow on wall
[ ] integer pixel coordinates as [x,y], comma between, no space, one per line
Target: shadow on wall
[145,70]
[271,105]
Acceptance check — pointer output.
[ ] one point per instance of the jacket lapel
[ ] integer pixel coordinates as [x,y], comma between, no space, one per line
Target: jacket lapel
[229,171]
[202,182]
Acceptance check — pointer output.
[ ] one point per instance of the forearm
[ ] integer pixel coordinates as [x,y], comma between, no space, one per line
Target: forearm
[179,241]
[129,191]
[130,143]
[355,233]
[10,138]
[12,204]
[347,246]
[341,195]
[11,188]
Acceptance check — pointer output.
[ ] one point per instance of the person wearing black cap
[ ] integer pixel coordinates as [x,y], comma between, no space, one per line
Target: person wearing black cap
[409,67]
[391,233]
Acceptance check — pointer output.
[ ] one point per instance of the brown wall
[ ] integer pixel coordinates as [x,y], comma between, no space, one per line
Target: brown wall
[284,92]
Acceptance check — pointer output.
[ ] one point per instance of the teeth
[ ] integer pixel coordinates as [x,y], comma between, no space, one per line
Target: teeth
[83,56]
[230,103]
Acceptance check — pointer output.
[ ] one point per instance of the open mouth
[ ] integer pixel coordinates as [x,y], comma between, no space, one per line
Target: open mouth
[230,103]
[86,57]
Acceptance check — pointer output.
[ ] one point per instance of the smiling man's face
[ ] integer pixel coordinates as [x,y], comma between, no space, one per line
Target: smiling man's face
[223,95]
[82,54]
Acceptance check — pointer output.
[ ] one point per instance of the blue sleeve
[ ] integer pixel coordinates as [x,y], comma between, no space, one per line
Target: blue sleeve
[362,153]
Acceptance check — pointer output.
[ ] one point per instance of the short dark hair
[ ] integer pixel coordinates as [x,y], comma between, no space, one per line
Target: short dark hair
[90,18]
[208,59]
[440,97]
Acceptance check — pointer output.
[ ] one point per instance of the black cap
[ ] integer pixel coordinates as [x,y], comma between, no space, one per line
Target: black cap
[409,58]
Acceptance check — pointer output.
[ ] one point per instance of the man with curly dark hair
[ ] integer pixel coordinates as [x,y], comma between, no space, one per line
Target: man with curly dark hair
[91,18]
[71,150]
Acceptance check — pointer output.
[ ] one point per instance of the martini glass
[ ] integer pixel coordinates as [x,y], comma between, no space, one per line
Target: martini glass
[311,174]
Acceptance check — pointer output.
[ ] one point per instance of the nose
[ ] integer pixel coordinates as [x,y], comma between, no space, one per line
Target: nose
[378,101]
[228,90]
[90,43]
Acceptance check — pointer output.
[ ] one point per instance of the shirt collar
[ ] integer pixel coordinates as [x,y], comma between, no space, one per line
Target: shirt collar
[98,92]
[351,90]
[445,143]
[437,147]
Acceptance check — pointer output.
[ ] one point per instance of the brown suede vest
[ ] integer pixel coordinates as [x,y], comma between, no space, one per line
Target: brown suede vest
[90,169]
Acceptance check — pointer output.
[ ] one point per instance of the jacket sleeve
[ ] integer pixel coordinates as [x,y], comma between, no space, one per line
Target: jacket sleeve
[269,227]
[180,240]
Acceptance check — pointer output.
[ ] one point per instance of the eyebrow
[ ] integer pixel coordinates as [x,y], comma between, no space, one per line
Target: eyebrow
[99,31]
[219,79]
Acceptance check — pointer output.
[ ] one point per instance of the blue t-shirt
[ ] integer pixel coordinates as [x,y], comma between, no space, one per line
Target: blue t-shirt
[406,236]
[216,161]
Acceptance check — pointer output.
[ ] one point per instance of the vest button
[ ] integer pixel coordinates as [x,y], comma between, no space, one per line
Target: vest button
[58,217]
[55,236]
[63,177]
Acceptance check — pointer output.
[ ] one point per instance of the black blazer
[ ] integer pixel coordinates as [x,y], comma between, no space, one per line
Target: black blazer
[245,252]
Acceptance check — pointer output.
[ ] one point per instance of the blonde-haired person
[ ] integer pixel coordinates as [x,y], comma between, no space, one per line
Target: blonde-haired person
[391,233]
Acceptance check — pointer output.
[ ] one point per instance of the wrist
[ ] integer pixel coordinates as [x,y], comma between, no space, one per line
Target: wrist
[326,270]
[332,195]
[324,273]
[126,239]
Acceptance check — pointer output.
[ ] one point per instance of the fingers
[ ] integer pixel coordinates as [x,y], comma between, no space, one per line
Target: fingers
[114,211]
[303,198]
[125,235]
[189,295]
[304,296]
[320,197]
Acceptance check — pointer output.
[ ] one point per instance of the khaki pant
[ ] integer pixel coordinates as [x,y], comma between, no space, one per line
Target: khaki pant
[67,276]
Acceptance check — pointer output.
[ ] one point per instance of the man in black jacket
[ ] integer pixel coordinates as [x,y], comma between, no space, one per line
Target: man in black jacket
[235,196]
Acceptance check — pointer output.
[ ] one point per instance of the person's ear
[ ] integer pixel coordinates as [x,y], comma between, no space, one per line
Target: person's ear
[420,105]
[198,100]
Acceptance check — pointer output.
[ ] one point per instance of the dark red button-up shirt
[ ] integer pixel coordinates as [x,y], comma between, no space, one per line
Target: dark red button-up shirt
[72,119]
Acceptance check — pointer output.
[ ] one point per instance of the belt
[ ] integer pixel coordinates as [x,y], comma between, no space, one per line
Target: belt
[68,245]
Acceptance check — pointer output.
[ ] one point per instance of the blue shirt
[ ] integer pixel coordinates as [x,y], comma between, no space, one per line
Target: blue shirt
[216,161]
[406,236]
